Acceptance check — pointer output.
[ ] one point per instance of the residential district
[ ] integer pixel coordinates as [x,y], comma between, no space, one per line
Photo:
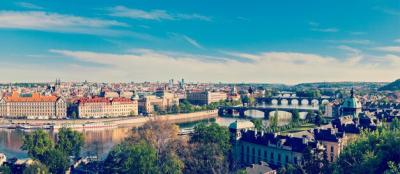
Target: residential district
[333,116]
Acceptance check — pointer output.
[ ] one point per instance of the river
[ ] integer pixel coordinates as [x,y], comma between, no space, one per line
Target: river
[99,142]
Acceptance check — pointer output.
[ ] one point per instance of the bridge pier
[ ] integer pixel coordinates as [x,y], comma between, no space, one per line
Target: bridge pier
[229,112]
[241,113]
[221,112]
[266,114]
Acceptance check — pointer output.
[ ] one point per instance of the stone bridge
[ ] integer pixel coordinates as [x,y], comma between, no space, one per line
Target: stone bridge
[293,100]
[229,110]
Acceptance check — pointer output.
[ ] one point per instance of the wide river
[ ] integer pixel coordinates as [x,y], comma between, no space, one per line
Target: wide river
[99,142]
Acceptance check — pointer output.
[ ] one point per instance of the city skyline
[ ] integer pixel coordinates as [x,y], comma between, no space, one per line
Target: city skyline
[260,42]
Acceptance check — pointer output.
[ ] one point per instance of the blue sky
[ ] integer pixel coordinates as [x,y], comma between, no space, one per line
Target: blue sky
[208,41]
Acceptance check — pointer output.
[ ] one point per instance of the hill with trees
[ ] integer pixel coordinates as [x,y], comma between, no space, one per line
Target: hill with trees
[394,86]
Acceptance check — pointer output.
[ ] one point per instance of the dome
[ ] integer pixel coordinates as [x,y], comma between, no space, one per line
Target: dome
[352,103]
[241,125]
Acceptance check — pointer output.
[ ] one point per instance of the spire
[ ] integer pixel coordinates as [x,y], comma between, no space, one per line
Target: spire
[352,92]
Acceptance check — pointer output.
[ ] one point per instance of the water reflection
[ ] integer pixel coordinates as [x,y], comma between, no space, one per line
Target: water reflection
[100,142]
[97,142]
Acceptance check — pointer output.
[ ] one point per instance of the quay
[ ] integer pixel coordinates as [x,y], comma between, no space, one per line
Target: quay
[113,122]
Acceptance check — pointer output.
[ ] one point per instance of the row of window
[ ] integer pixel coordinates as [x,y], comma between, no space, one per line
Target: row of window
[254,157]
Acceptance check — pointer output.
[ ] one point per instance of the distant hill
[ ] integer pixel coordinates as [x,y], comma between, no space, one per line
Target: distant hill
[394,86]
[371,85]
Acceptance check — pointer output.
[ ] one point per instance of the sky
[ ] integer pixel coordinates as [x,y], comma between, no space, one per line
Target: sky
[274,41]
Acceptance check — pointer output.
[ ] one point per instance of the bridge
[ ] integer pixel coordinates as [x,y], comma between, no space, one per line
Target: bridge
[229,110]
[294,100]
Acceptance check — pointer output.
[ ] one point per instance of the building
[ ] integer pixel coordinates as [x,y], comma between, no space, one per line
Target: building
[3,158]
[34,106]
[351,106]
[332,140]
[261,168]
[251,146]
[162,100]
[205,97]
[98,107]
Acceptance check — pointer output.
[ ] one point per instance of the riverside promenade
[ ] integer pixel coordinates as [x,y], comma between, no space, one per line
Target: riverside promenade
[120,121]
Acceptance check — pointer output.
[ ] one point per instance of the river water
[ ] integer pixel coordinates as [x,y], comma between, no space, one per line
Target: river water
[99,142]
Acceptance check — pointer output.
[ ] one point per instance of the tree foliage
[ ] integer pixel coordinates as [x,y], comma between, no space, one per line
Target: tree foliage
[70,142]
[372,152]
[132,158]
[36,168]
[212,134]
[37,143]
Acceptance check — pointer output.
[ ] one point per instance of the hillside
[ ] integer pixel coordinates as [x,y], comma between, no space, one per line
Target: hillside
[394,86]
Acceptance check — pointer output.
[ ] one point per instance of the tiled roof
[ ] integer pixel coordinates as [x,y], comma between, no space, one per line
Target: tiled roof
[36,97]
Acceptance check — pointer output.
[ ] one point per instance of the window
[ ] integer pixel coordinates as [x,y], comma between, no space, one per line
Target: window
[332,149]
[272,156]
[287,159]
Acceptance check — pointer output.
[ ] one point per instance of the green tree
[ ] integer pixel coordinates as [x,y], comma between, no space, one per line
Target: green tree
[37,143]
[212,134]
[175,109]
[372,152]
[171,164]
[70,142]
[36,168]
[295,116]
[205,158]
[273,121]
[5,170]
[258,124]
[140,157]
[56,160]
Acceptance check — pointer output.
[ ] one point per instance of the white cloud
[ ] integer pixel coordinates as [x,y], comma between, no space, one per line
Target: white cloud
[394,49]
[29,5]
[397,40]
[325,30]
[39,20]
[122,11]
[353,41]
[192,42]
[274,67]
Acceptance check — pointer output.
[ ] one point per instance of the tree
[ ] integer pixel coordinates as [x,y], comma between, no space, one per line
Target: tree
[258,124]
[372,152]
[57,161]
[273,121]
[36,168]
[70,142]
[171,164]
[74,115]
[37,143]
[175,109]
[318,120]
[160,137]
[212,134]
[140,157]
[295,116]
[5,170]
[205,158]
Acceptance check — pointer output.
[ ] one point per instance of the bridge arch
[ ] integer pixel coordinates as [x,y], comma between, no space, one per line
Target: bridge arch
[294,102]
[304,102]
[284,102]
[314,102]
[324,101]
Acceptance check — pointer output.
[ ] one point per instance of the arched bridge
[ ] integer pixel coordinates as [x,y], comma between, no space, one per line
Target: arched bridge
[293,100]
[229,110]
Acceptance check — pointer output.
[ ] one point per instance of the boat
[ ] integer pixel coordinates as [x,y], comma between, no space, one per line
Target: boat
[88,125]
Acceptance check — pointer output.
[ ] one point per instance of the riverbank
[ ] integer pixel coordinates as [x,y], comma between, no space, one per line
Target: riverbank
[118,122]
